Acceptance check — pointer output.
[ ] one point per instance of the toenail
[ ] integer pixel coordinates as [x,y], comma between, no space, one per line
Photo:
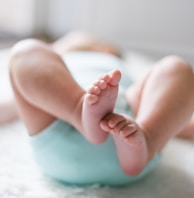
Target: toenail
[102,84]
[123,133]
[106,78]
[96,89]
[132,128]
[111,123]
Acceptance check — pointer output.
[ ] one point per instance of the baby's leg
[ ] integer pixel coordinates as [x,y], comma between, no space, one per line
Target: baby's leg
[188,131]
[167,101]
[43,87]
[133,93]
[165,107]
[98,102]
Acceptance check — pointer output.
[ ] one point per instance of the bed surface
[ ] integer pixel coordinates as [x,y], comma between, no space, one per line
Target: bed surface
[20,177]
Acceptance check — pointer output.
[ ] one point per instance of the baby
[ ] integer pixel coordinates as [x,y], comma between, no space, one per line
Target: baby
[50,83]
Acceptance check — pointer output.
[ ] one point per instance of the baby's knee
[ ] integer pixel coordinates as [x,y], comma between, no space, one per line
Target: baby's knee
[23,54]
[22,50]
[22,60]
[26,47]
[175,65]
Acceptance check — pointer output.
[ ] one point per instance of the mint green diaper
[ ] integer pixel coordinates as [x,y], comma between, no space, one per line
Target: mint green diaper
[63,153]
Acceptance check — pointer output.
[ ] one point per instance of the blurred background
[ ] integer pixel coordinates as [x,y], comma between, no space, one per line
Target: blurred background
[157,27]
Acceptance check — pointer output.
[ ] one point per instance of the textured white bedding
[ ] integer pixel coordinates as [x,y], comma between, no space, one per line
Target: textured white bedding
[20,177]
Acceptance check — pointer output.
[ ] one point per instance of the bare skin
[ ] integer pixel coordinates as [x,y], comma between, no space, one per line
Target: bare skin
[128,138]
[188,131]
[98,102]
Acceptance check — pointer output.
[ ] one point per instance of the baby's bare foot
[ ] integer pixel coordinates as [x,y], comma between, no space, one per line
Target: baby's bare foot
[130,141]
[98,102]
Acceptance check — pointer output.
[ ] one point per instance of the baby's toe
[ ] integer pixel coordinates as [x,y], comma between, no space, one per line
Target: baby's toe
[104,125]
[104,77]
[91,98]
[115,120]
[101,84]
[94,90]
[115,77]
[128,130]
